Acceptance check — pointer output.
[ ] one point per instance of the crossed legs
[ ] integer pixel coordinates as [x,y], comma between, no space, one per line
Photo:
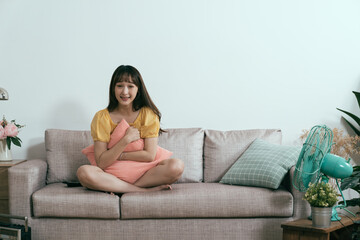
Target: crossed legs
[157,178]
[166,172]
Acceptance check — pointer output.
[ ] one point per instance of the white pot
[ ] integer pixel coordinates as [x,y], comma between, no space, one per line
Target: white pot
[5,153]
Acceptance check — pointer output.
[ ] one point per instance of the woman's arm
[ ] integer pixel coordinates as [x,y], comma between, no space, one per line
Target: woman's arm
[146,155]
[105,157]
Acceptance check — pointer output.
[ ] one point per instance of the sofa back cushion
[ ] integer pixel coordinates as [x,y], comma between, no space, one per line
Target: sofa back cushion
[63,153]
[64,157]
[186,144]
[222,149]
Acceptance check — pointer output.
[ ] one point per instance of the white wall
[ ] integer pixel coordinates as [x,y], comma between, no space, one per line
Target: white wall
[213,64]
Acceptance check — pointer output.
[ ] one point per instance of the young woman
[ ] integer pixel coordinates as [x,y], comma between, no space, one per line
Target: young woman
[129,100]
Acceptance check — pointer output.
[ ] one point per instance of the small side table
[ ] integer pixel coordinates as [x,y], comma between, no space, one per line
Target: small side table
[4,186]
[303,229]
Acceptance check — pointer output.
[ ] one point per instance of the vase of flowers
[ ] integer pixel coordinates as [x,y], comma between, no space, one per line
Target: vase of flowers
[8,135]
[321,197]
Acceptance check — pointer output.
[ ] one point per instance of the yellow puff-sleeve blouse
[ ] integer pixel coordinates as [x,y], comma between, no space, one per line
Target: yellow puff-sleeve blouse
[147,122]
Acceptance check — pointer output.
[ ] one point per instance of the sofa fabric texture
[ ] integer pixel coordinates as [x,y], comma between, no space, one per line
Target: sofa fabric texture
[198,207]
[62,153]
[159,229]
[57,200]
[186,144]
[223,148]
[207,200]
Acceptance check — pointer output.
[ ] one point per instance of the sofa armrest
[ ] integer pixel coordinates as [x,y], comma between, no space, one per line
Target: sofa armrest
[24,180]
[302,208]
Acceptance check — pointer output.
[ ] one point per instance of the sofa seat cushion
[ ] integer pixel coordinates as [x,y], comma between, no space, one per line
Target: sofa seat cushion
[58,200]
[207,200]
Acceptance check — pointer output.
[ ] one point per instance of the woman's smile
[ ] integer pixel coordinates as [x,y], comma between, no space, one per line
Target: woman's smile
[125,98]
[125,92]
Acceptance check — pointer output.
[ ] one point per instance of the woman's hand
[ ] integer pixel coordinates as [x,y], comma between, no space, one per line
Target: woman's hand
[132,134]
[147,154]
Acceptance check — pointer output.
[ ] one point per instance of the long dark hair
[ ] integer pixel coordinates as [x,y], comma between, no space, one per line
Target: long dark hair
[127,73]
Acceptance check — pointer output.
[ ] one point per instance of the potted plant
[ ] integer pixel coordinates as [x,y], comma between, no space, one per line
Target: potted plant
[353,182]
[321,197]
[8,135]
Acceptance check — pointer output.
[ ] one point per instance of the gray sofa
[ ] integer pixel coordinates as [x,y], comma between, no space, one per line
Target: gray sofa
[198,207]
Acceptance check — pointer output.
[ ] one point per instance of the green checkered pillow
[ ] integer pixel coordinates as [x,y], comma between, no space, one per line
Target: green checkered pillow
[263,164]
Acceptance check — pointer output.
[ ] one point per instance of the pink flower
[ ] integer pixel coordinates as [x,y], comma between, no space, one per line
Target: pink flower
[11,130]
[2,132]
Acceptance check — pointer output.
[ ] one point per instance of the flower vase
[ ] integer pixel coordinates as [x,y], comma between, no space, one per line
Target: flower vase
[5,153]
[321,216]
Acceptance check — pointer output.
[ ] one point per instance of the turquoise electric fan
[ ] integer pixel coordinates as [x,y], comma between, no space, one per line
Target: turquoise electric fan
[315,162]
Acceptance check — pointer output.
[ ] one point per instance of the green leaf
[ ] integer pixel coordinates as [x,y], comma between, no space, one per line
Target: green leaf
[16,141]
[8,142]
[357,189]
[357,120]
[353,127]
[350,182]
[356,168]
[353,181]
[352,202]
[357,95]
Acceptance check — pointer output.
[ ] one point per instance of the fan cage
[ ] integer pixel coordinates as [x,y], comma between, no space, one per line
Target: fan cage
[317,145]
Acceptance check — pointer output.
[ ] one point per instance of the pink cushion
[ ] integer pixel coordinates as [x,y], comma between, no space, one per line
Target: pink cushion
[129,171]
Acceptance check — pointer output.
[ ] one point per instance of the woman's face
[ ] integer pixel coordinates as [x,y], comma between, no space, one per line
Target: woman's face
[125,93]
